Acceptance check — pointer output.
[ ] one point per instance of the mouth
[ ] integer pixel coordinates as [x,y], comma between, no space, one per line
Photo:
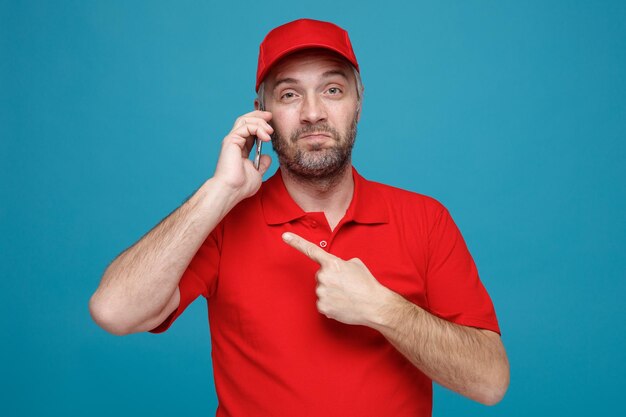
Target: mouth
[315,136]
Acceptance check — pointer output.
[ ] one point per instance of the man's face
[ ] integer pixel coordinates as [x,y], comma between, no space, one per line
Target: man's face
[313,99]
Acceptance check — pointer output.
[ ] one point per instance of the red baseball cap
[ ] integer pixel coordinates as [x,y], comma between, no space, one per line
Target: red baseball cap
[298,35]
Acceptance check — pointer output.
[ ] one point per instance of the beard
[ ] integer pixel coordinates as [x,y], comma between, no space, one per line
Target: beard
[318,162]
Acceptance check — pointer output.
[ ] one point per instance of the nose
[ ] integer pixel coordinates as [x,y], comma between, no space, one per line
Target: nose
[313,110]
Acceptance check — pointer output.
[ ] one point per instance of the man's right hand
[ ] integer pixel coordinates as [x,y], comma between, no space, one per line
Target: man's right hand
[139,289]
[234,170]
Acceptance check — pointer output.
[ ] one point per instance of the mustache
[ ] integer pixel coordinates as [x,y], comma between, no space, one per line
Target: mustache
[318,127]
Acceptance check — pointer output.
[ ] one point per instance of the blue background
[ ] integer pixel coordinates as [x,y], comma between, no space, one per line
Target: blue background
[512,114]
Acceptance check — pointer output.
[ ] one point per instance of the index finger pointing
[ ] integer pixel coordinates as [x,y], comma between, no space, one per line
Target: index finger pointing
[309,249]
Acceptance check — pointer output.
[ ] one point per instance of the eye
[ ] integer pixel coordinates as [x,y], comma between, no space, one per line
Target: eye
[334,90]
[288,95]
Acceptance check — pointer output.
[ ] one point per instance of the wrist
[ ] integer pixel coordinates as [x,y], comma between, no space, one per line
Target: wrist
[216,196]
[387,310]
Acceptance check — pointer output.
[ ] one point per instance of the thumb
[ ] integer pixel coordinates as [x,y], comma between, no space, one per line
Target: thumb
[264,164]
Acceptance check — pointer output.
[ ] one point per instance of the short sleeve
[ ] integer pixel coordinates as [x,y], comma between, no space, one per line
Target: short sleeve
[453,287]
[200,277]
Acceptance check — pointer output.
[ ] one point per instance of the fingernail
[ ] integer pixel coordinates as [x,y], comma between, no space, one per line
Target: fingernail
[286,236]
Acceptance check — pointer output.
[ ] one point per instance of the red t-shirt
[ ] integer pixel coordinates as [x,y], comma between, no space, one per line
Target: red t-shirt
[274,354]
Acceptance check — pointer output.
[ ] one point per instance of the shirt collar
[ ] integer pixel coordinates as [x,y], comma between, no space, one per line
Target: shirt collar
[367,205]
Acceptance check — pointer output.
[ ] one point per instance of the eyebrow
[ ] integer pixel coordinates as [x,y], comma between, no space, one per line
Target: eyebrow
[327,74]
[285,81]
[330,73]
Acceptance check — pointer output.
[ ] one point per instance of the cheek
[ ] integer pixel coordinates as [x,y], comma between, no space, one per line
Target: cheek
[284,121]
[342,114]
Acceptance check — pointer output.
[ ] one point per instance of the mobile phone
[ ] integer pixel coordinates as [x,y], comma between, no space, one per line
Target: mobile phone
[259,145]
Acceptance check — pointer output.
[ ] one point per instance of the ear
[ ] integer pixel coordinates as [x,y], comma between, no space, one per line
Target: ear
[360,103]
[257,105]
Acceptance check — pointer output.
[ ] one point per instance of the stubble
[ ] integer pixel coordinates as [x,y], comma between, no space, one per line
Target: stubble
[316,164]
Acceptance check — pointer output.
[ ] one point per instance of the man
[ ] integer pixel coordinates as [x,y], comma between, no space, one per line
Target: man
[328,295]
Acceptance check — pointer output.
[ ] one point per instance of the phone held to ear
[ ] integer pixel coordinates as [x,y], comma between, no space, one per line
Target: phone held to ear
[259,145]
[257,156]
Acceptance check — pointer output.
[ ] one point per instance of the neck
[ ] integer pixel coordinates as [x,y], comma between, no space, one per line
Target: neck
[329,195]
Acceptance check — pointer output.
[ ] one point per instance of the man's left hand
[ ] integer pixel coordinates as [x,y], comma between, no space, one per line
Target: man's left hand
[346,290]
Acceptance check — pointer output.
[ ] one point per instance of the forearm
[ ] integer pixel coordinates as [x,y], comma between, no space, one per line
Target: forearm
[469,361]
[139,282]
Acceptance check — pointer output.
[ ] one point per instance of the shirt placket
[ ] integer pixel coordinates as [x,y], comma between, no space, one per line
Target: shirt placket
[318,230]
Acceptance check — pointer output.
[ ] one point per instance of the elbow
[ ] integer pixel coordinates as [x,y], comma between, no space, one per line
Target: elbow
[496,387]
[104,316]
[493,397]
